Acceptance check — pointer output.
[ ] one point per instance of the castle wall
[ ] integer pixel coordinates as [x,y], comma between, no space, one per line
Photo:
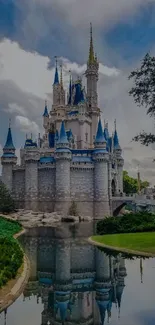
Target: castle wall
[82,189]
[46,189]
[31,185]
[101,197]
[19,187]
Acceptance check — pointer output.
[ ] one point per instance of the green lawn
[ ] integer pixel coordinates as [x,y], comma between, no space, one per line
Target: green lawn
[142,242]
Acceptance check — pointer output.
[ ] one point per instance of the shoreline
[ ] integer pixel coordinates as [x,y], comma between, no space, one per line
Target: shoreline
[14,287]
[120,250]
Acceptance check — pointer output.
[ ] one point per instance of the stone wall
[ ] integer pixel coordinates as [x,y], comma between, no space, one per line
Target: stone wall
[19,187]
[46,189]
[82,189]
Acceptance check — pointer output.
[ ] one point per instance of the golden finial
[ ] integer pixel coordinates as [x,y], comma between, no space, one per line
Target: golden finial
[91,48]
[115,124]
[56,60]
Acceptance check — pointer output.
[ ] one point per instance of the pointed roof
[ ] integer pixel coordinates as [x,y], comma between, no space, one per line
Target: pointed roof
[115,139]
[100,135]
[46,110]
[91,58]
[63,136]
[56,77]
[9,142]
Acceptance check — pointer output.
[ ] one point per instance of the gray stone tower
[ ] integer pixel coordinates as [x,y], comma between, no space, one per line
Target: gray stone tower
[101,159]
[92,79]
[63,158]
[31,177]
[8,161]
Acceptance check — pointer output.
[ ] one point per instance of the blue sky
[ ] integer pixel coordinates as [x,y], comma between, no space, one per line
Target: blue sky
[38,30]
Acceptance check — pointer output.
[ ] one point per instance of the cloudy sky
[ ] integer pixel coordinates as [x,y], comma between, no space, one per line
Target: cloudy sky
[32,32]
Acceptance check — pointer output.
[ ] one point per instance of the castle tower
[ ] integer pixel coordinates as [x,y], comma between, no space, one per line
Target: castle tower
[92,79]
[46,126]
[8,161]
[119,160]
[62,91]
[31,176]
[101,158]
[63,159]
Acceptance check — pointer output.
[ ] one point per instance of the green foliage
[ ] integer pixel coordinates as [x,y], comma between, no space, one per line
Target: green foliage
[129,223]
[11,258]
[143,93]
[8,227]
[6,202]
[11,255]
[130,184]
[73,209]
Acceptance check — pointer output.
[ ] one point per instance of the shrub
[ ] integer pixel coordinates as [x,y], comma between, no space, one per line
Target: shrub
[73,209]
[11,258]
[7,204]
[138,222]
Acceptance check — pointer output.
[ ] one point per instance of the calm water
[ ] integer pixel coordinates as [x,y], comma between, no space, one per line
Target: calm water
[74,283]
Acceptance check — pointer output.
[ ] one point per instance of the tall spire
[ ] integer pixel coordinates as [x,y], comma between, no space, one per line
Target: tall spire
[91,58]
[61,78]
[63,136]
[100,135]
[70,89]
[56,77]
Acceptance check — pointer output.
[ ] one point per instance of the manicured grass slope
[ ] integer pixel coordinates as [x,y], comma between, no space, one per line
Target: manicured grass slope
[11,255]
[142,242]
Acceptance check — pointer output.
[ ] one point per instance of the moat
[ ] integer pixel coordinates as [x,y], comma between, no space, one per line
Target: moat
[73,282]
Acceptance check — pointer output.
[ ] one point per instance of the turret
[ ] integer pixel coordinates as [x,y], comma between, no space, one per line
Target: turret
[101,158]
[8,161]
[92,79]
[119,160]
[63,159]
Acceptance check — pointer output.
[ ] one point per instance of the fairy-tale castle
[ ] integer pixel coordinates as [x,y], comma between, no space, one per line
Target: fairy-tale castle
[75,160]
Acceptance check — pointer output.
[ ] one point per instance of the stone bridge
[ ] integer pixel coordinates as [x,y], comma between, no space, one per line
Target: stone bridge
[137,203]
[119,202]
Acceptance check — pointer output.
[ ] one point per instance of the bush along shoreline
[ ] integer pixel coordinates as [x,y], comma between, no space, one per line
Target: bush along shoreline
[11,254]
[128,223]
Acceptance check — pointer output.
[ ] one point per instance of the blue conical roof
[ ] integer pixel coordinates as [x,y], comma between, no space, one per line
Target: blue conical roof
[45,111]
[63,136]
[56,77]
[102,309]
[106,133]
[9,142]
[100,135]
[116,141]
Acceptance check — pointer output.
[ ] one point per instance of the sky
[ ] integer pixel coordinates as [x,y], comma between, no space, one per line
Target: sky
[33,32]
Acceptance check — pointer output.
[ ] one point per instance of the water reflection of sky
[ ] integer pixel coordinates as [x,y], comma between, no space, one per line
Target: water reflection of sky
[137,303]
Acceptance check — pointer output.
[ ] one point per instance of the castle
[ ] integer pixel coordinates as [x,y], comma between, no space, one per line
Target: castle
[75,160]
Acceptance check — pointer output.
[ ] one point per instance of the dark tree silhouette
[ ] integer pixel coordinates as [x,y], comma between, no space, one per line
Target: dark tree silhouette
[143,93]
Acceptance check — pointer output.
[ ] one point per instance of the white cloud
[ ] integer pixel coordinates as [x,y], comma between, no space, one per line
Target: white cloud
[26,126]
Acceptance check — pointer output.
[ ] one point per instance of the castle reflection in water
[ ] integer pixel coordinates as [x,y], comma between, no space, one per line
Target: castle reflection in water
[76,282]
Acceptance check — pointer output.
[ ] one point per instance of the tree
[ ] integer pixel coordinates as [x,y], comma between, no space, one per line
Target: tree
[130,184]
[73,209]
[6,202]
[143,93]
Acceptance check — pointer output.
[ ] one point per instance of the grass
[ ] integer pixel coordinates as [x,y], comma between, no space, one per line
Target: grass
[140,242]
[11,255]
[8,228]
